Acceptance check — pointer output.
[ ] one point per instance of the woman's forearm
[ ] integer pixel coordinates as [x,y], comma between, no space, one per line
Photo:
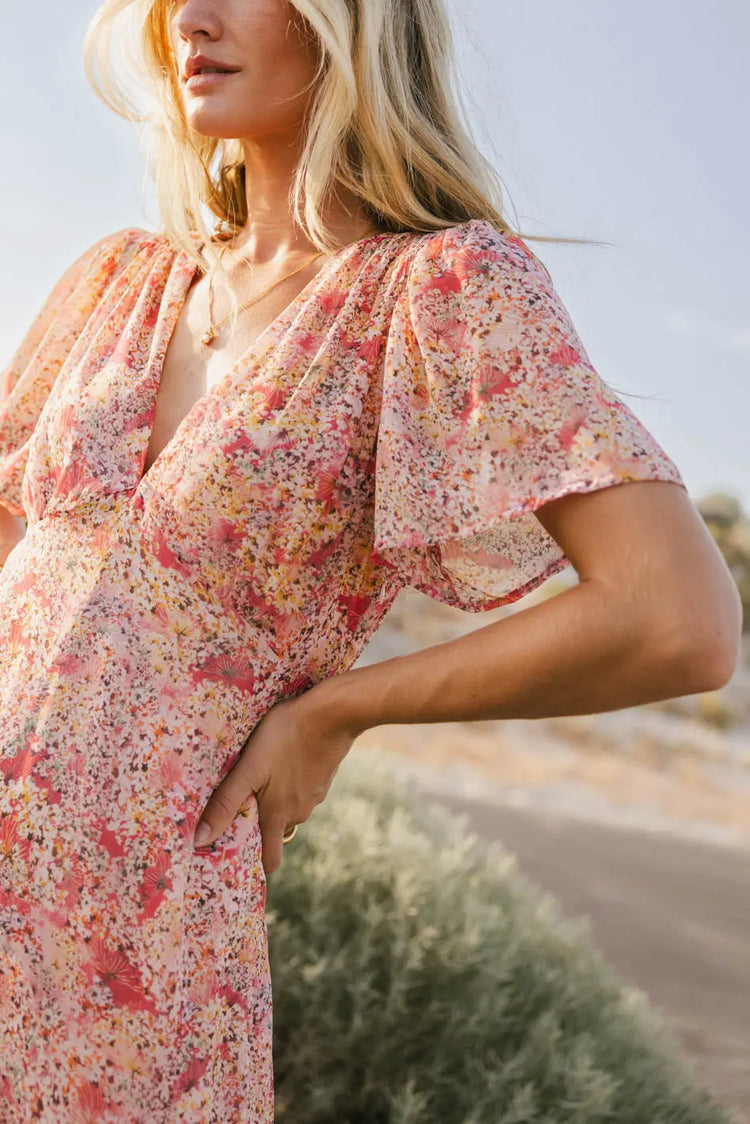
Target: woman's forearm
[579,652]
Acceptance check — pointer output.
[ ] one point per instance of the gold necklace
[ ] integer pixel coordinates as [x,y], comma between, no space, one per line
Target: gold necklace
[210,333]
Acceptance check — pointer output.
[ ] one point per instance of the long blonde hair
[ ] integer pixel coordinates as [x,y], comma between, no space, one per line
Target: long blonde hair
[384,121]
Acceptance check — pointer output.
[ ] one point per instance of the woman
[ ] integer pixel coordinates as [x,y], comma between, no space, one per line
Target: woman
[233,448]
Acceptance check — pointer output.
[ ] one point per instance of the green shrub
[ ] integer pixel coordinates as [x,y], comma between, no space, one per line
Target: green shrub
[417,977]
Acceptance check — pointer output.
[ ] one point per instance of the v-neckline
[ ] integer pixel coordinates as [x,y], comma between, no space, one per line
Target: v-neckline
[181,274]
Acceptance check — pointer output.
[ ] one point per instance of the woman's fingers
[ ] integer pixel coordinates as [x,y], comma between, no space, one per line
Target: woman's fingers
[272,826]
[288,762]
[227,798]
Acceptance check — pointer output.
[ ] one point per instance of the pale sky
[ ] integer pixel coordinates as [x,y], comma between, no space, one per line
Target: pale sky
[624,123]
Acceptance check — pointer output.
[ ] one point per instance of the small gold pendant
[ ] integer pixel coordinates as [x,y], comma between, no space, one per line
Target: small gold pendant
[208,336]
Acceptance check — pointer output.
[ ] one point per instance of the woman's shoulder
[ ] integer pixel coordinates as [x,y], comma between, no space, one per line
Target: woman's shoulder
[128,240]
[118,241]
[474,252]
[108,254]
[126,251]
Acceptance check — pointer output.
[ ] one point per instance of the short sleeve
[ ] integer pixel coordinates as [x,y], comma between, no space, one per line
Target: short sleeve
[490,408]
[27,380]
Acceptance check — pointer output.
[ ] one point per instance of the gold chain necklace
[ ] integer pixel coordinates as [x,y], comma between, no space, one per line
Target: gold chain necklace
[210,333]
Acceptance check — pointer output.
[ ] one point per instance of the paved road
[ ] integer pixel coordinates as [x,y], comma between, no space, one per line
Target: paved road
[671,915]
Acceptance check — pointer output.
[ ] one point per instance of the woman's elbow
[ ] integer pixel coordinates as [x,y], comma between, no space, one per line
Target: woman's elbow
[708,638]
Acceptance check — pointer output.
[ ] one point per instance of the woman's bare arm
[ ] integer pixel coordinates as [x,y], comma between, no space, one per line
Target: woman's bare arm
[656,614]
[11,532]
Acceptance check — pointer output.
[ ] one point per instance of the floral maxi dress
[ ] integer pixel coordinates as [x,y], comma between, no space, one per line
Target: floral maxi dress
[398,424]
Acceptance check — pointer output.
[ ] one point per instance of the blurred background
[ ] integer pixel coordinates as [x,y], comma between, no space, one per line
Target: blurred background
[620,123]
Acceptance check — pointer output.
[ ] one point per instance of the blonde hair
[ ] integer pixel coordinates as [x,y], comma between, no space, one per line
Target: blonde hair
[384,121]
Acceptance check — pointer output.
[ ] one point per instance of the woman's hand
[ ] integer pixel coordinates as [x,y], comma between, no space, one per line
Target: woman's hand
[11,533]
[289,762]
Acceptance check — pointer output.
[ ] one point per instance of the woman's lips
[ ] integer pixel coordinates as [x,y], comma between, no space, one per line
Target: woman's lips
[199,81]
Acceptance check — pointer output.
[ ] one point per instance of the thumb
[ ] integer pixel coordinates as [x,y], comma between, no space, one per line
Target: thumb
[225,802]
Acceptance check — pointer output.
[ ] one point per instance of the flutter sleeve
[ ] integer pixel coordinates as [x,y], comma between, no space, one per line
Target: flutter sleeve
[490,408]
[27,380]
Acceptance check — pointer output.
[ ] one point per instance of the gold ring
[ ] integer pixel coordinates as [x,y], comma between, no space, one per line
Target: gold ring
[287,837]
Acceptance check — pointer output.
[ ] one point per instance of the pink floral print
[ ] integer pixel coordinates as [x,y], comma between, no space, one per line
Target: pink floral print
[398,424]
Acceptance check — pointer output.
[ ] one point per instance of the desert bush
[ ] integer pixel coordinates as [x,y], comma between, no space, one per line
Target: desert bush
[418,978]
